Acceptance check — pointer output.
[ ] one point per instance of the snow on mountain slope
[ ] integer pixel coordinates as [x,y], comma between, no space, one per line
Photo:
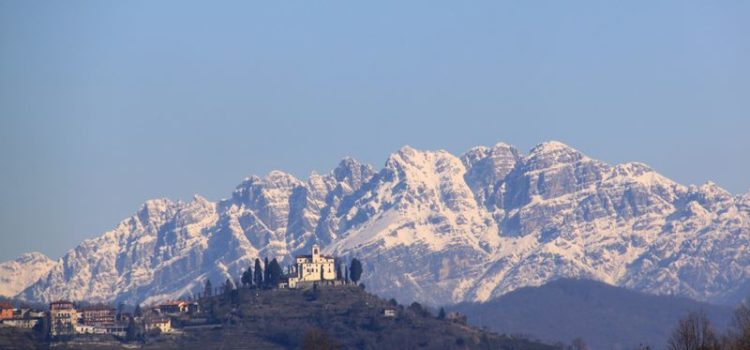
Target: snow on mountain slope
[168,249]
[436,228]
[418,227]
[566,215]
[16,275]
[161,250]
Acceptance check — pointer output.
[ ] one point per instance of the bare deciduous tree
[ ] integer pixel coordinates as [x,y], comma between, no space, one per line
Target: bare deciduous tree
[694,332]
[739,335]
[579,344]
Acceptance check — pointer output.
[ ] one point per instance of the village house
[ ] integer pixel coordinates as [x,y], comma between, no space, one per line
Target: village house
[6,310]
[63,318]
[24,317]
[162,323]
[193,307]
[98,316]
[21,322]
[173,307]
[27,312]
[311,268]
[85,329]
[118,329]
[389,312]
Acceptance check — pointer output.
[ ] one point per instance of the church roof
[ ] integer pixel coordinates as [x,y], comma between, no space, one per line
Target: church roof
[310,256]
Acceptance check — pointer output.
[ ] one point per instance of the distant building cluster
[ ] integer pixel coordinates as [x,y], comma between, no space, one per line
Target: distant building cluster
[65,318]
[22,317]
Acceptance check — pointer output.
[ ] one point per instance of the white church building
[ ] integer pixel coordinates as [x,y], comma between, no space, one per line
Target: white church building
[312,268]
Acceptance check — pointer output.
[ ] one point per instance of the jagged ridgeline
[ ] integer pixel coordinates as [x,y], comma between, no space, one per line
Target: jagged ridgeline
[433,227]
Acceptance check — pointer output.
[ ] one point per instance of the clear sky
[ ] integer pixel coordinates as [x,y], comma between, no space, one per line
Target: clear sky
[105,104]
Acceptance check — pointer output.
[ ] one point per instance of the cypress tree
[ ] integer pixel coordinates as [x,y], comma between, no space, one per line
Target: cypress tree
[266,272]
[208,291]
[274,273]
[247,277]
[355,271]
[339,275]
[133,332]
[441,314]
[258,273]
[228,286]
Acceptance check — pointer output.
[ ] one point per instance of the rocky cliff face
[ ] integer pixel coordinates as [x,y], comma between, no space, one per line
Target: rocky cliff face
[435,227]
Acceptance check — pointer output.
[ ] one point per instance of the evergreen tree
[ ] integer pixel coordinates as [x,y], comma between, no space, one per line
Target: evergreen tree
[355,271]
[120,310]
[133,332]
[258,273]
[137,311]
[274,273]
[441,314]
[208,291]
[266,272]
[212,310]
[247,277]
[228,286]
[339,275]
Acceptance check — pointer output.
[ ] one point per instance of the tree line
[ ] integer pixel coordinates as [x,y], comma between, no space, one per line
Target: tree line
[269,274]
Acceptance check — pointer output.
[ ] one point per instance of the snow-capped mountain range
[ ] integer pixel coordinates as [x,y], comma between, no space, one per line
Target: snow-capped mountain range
[16,275]
[433,227]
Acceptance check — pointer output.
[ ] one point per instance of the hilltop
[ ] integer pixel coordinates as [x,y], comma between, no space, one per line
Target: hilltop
[344,317]
[347,316]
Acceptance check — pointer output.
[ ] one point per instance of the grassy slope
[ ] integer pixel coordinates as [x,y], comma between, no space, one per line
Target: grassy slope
[350,317]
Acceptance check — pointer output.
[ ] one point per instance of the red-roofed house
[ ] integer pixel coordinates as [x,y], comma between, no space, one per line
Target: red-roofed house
[6,310]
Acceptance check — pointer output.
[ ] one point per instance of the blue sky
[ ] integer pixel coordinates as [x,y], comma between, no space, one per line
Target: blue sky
[106,104]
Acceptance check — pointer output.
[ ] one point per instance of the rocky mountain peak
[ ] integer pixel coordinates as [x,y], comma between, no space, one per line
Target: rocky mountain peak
[352,172]
[551,153]
[487,168]
[278,176]
[155,211]
[33,256]
[16,275]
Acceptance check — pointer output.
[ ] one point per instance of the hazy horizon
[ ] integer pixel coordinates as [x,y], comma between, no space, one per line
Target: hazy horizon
[105,105]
